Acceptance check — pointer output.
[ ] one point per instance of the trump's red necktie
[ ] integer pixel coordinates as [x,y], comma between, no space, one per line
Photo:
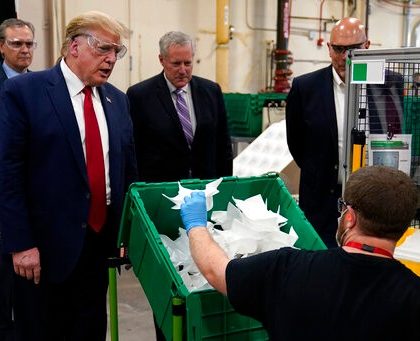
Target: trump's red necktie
[95,164]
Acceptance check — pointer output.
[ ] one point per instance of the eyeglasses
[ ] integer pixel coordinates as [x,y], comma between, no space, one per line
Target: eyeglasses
[341,205]
[340,49]
[16,44]
[103,48]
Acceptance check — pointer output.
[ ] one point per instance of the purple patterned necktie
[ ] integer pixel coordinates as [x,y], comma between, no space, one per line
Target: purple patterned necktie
[184,115]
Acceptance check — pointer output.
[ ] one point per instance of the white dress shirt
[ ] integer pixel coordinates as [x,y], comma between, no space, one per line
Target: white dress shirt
[188,98]
[75,87]
[339,98]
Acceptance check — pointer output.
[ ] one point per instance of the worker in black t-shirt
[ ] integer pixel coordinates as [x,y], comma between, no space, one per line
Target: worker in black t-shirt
[357,291]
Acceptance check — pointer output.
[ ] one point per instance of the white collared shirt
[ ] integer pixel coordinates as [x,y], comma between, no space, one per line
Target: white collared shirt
[75,87]
[188,97]
[339,98]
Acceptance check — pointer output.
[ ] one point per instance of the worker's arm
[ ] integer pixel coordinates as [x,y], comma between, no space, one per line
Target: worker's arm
[209,257]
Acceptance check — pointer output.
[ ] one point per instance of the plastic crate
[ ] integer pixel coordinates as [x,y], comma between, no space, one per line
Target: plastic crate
[244,112]
[207,314]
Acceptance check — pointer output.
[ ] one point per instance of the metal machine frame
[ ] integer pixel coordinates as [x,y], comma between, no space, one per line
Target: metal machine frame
[403,62]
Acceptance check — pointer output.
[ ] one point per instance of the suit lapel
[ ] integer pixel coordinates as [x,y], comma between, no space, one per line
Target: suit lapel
[196,95]
[110,110]
[165,98]
[3,76]
[60,100]
[331,115]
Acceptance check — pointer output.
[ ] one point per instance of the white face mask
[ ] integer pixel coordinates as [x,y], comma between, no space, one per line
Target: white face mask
[339,239]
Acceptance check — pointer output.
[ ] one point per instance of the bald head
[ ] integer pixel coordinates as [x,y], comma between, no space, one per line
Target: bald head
[348,33]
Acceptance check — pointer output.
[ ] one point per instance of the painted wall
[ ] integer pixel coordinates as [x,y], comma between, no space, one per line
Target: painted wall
[254,23]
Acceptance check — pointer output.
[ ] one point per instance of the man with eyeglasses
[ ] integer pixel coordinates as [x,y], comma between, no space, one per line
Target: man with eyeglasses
[315,124]
[355,292]
[66,160]
[16,48]
[17,45]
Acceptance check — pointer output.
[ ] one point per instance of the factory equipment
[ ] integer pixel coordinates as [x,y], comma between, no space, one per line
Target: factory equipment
[382,120]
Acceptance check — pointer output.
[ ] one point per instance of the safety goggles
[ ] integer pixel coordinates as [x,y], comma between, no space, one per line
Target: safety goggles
[341,205]
[104,48]
[340,49]
[16,44]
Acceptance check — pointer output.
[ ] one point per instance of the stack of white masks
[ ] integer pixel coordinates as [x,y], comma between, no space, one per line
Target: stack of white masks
[246,228]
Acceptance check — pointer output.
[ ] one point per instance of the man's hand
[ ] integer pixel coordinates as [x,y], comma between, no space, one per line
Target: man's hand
[194,211]
[27,264]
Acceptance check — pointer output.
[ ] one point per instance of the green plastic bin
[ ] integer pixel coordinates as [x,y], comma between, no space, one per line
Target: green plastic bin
[244,111]
[206,315]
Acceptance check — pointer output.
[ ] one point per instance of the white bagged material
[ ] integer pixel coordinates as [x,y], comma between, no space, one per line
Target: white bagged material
[211,189]
[246,229]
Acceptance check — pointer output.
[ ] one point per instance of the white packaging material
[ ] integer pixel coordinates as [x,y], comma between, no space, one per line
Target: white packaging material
[210,190]
[267,153]
[247,229]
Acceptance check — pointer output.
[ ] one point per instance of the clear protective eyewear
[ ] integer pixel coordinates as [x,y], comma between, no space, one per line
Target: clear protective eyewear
[104,48]
[342,205]
[16,44]
[340,49]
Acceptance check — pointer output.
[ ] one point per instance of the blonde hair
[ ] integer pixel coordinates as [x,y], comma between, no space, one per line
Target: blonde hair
[91,20]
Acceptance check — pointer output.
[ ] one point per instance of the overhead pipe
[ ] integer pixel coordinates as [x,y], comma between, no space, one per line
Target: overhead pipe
[407,23]
[281,56]
[320,41]
[367,12]
[297,17]
[222,46]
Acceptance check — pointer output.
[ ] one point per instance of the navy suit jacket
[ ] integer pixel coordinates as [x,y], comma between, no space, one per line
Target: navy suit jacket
[44,191]
[312,138]
[162,150]
[3,75]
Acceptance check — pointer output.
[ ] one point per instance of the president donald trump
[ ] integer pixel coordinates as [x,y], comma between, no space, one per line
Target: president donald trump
[66,160]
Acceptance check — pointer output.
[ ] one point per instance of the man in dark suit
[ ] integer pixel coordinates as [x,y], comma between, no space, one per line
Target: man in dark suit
[17,45]
[66,159]
[315,124]
[164,151]
[16,49]
[169,146]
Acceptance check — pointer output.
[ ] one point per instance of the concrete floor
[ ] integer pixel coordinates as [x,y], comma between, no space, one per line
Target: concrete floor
[135,321]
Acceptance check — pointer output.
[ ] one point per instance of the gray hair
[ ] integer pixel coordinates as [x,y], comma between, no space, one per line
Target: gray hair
[13,22]
[174,38]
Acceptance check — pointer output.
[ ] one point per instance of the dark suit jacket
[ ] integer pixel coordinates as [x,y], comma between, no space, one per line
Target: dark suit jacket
[3,76]
[44,191]
[162,150]
[312,138]
[378,97]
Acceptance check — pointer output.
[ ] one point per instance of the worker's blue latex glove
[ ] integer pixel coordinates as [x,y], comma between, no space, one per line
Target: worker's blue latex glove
[194,211]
